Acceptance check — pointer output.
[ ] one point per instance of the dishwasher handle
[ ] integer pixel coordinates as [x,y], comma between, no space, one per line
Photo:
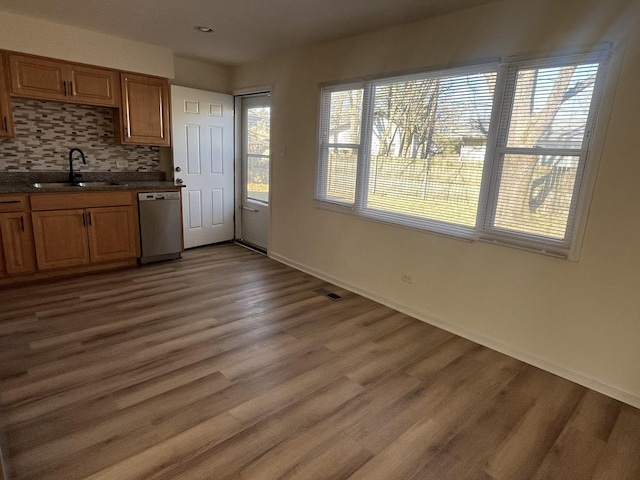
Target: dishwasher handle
[152,196]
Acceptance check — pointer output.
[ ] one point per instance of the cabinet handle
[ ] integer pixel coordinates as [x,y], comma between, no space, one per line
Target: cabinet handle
[64,87]
[9,201]
[84,222]
[6,125]
[71,89]
[89,217]
[22,222]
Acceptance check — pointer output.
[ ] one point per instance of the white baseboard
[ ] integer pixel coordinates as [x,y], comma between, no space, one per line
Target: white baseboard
[626,396]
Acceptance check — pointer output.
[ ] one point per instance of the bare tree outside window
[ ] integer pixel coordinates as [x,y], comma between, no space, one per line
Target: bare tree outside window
[418,130]
[413,150]
[550,111]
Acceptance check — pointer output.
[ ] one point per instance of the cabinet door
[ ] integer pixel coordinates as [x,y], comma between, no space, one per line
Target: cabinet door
[60,238]
[94,86]
[111,233]
[38,77]
[145,110]
[17,243]
[6,116]
[3,270]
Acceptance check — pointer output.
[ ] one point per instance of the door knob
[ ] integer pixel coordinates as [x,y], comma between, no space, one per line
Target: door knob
[178,169]
[178,181]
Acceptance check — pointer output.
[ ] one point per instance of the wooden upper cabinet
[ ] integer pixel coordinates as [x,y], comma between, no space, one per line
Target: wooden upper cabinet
[6,117]
[143,100]
[145,110]
[94,85]
[46,79]
[37,77]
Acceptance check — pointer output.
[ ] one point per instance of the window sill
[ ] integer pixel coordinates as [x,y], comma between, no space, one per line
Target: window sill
[494,238]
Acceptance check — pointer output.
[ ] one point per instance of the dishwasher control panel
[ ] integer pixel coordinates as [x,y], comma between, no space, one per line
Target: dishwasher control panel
[147,196]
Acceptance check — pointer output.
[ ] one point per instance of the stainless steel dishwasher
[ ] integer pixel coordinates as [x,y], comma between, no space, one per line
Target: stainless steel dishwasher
[160,226]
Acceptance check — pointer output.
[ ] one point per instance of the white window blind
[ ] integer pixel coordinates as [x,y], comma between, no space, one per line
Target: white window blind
[428,151]
[340,144]
[427,147]
[543,142]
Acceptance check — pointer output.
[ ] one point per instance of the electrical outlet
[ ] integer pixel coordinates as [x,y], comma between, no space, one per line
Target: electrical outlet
[122,163]
[405,277]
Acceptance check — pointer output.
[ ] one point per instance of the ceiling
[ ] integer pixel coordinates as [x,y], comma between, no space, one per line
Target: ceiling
[244,30]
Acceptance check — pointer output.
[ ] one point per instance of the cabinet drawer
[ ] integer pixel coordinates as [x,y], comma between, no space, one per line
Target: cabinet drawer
[62,201]
[13,203]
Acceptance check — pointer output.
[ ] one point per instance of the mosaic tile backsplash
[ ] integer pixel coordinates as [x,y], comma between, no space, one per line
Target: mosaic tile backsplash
[45,131]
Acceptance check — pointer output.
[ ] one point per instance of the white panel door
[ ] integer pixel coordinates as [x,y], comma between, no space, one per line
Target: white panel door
[203,161]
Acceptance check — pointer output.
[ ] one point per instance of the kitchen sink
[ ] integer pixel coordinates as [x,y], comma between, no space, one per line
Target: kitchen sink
[55,185]
[98,184]
[46,185]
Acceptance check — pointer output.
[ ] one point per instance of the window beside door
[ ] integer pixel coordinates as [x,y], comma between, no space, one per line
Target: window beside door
[258,154]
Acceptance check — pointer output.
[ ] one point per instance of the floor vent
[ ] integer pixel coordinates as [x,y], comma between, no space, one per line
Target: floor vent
[327,293]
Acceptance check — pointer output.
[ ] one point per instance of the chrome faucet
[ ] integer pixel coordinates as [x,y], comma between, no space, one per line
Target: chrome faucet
[74,176]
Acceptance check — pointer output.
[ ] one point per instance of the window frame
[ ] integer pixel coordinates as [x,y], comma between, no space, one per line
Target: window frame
[568,247]
[484,229]
[324,145]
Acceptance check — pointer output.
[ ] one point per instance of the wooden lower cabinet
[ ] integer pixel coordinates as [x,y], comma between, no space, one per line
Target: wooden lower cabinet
[60,238]
[17,255]
[111,233]
[66,238]
[3,269]
[17,243]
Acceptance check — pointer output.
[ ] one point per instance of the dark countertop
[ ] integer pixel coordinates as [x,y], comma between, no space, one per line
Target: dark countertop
[24,187]
[22,182]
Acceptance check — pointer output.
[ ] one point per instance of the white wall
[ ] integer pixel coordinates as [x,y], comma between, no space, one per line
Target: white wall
[40,37]
[579,319]
[203,76]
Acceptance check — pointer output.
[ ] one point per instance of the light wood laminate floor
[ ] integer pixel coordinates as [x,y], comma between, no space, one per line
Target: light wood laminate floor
[229,365]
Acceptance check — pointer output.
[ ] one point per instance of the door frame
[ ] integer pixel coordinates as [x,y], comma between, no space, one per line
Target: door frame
[238,95]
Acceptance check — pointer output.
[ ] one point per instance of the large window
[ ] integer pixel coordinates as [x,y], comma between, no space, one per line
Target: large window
[494,151]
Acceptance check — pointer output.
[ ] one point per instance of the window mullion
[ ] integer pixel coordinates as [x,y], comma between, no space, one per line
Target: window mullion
[364,153]
[491,169]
